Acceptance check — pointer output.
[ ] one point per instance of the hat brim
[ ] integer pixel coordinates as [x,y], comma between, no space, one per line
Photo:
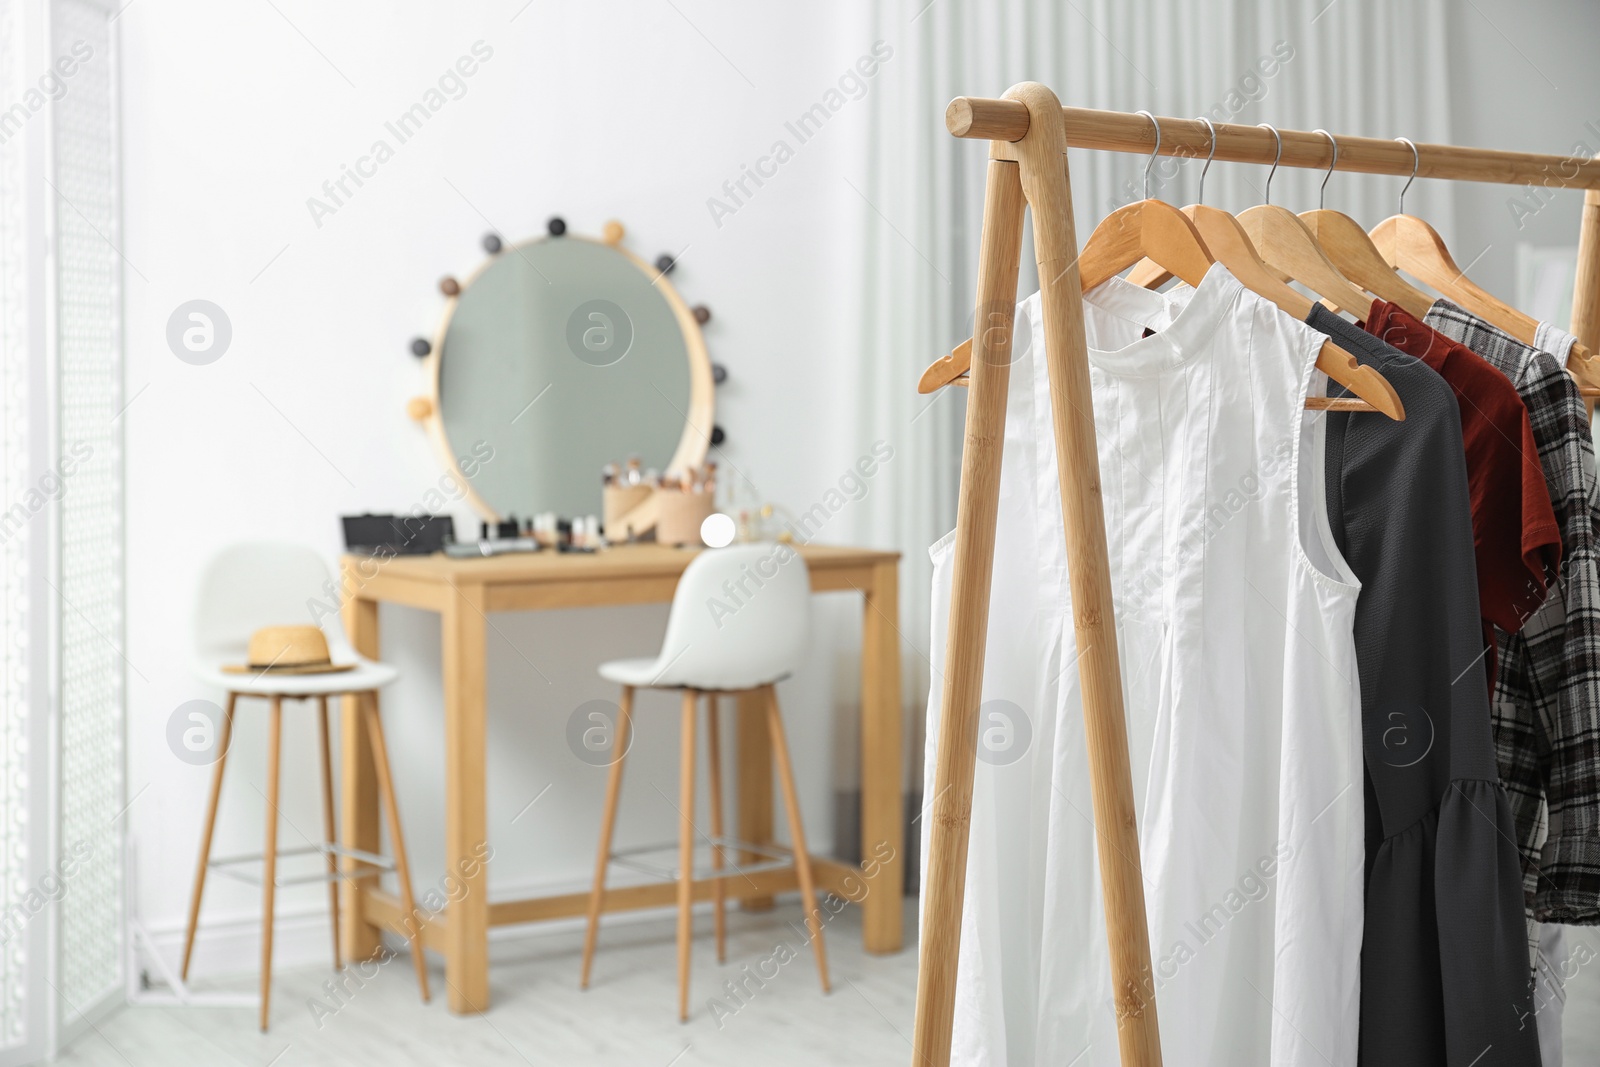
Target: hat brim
[304,668]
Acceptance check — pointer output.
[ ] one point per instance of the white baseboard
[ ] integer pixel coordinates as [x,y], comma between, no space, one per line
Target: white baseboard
[110,1001]
[231,944]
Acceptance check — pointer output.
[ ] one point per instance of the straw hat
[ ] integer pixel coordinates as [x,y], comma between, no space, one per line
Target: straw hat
[288,650]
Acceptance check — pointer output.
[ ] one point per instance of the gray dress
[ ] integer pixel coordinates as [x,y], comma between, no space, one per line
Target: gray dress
[1444,963]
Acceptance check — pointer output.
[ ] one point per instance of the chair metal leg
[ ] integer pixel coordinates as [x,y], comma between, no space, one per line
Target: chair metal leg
[797,834]
[685,851]
[269,872]
[380,762]
[205,835]
[719,892]
[329,834]
[608,824]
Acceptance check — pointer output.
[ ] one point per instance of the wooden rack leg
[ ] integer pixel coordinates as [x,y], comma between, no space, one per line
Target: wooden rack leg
[1044,178]
[999,260]
[1586,284]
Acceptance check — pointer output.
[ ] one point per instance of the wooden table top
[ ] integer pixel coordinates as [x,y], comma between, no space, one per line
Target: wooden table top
[618,561]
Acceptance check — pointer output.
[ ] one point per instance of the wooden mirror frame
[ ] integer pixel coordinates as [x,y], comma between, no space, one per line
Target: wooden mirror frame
[693,445]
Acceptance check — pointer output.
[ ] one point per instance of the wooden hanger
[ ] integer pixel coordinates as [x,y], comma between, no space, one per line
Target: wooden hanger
[1146,227]
[1286,244]
[1231,245]
[1348,247]
[1408,243]
[1280,239]
[947,370]
[1156,230]
[1411,245]
[1148,274]
[1224,240]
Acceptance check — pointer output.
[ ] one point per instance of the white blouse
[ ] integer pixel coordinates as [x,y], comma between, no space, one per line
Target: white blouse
[1234,616]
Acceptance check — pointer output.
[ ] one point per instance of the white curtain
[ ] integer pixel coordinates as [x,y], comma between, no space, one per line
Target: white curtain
[1358,67]
[62,671]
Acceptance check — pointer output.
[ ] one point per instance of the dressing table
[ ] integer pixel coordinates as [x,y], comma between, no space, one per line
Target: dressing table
[558,356]
[464,593]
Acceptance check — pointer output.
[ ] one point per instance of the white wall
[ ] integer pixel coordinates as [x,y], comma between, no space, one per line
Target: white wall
[236,114]
[1524,78]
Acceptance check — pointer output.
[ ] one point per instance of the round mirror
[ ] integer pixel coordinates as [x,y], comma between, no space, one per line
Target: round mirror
[561,355]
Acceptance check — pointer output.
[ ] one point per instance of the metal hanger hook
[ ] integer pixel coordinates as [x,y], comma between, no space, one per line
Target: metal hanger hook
[1416,163]
[1151,162]
[1322,191]
[1278,138]
[1201,198]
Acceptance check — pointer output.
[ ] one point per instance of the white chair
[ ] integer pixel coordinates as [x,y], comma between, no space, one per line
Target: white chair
[738,623]
[244,588]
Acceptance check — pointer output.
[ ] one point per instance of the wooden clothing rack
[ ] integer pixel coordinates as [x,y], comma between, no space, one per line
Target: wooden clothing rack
[1028,132]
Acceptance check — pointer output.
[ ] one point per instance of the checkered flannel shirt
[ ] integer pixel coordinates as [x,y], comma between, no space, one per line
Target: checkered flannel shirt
[1547,697]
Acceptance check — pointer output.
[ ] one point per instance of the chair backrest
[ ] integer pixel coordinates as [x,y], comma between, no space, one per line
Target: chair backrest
[264,583]
[740,618]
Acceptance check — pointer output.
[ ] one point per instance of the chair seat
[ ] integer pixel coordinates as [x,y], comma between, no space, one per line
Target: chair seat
[639,672]
[648,672]
[365,675]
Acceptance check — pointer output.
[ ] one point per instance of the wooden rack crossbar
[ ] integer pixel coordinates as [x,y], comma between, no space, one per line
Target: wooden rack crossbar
[1119,131]
[1029,132]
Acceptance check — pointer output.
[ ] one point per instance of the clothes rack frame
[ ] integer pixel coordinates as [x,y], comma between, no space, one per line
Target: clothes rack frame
[1029,132]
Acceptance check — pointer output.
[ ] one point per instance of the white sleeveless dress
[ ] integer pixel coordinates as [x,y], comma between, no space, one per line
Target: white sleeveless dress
[1234,617]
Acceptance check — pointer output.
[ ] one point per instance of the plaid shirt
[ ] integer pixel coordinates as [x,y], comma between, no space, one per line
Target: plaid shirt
[1547,697]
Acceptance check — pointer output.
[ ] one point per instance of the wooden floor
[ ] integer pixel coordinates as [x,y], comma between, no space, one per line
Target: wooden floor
[628,1016]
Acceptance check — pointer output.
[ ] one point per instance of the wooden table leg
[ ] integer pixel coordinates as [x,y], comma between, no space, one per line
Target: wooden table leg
[754,782]
[882,762]
[358,789]
[464,628]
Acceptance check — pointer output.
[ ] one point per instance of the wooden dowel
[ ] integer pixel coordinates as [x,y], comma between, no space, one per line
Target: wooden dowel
[1120,131]
[1586,284]
[1000,259]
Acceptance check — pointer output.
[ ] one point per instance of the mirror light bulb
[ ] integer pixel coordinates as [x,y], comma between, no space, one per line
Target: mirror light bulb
[717,530]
